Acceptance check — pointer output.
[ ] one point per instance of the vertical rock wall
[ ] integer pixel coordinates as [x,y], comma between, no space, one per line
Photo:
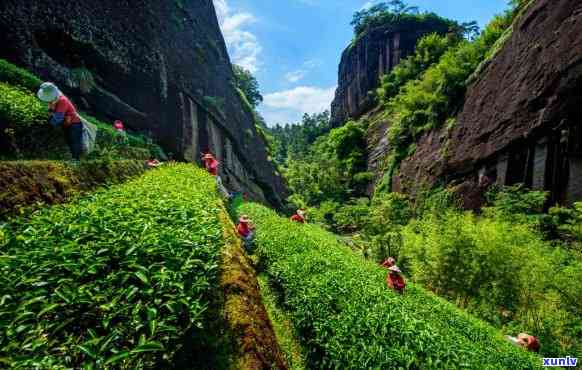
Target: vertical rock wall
[521,119]
[160,66]
[368,58]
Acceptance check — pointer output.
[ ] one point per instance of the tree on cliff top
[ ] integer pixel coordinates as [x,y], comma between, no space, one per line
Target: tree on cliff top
[248,84]
[397,12]
[392,9]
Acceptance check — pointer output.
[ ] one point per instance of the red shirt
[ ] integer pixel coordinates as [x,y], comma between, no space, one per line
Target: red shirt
[395,282]
[297,218]
[243,229]
[211,166]
[64,106]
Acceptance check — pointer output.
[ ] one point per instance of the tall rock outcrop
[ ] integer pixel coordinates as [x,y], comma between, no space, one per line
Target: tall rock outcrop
[160,66]
[521,121]
[372,55]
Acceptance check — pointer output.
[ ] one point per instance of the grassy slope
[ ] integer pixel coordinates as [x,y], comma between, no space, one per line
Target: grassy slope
[349,319]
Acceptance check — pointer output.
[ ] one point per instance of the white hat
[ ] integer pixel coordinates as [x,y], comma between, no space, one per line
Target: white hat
[395,269]
[48,92]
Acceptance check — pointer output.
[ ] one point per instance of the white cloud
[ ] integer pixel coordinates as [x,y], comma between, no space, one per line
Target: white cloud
[295,75]
[243,46]
[299,74]
[288,106]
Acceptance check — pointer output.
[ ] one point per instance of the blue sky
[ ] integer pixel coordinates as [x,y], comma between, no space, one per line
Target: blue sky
[293,47]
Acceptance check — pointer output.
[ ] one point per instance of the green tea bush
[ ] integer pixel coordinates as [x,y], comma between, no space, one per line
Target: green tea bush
[15,76]
[500,269]
[347,317]
[115,280]
[19,109]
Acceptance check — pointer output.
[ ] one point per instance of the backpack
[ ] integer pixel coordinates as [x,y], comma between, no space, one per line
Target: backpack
[89,136]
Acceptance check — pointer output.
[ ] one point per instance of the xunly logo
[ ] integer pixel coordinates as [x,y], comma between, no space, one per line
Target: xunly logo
[560,361]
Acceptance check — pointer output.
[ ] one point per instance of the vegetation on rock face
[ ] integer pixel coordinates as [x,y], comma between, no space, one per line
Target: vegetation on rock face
[115,280]
[248,84]
[348,318]
[436,97]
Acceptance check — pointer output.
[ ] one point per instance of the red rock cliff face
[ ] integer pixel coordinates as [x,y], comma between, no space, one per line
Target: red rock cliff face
[160,66]
[364,62]
[522,119]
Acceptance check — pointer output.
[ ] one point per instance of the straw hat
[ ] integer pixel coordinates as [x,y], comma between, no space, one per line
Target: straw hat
[48,92]
[395,269]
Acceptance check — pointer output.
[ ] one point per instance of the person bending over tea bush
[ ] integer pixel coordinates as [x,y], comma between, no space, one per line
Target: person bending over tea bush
[246,231]
[64,114]
[529,342]
[299,216]
[395,280]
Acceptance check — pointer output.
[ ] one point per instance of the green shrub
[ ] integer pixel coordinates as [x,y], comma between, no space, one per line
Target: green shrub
[564,223]
[429,50]
[115,280]
[349,319]
[500,269]
[15,76]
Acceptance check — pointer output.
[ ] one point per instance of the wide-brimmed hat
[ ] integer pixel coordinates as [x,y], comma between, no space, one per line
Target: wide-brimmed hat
[48,92]
[394,269]
[244,219]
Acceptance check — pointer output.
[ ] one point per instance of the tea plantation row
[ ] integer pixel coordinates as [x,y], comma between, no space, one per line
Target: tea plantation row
[348,319]
[114,280]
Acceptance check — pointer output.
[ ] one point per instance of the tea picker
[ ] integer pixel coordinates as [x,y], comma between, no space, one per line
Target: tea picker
[245,230]
[394,280]
[211,165]
[299,216]
[63,114]
[526,341]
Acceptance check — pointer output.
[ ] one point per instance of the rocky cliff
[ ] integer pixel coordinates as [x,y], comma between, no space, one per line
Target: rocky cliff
[369,57]
[160,66]
[521,118]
